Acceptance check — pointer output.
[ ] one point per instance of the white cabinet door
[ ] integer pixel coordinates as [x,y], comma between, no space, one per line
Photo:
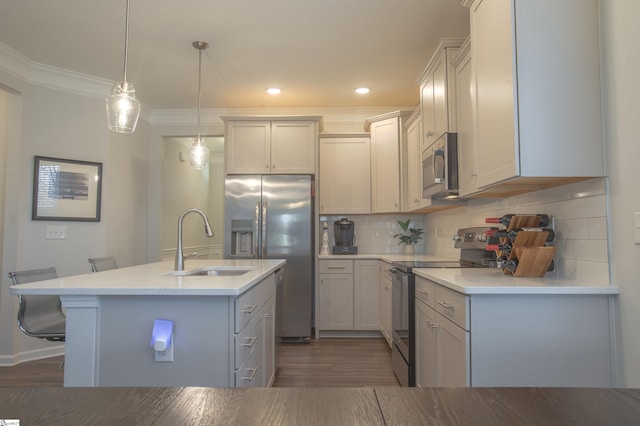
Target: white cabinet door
[385,166]
[366,315]
[336,302]
[440,94]
[270,147]
[426,346]
[495,102]
[453,354]
[293,147]
[345,177]
[428,115]
[248,147]
[467,148]
[414,164]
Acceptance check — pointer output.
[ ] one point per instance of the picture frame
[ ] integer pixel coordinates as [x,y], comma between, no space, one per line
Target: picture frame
[66,190]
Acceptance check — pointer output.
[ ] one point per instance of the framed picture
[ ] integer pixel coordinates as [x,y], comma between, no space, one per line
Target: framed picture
[67,190]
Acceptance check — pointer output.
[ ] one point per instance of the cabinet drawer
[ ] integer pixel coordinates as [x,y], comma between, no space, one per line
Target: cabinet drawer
[453,305]
[250,302]
[248,375]
[246,341]
[426,291]
[331,266]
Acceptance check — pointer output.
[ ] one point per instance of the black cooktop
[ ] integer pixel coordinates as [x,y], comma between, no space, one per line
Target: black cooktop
[407,266]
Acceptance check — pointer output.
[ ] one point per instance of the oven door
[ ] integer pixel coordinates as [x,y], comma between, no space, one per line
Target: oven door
[402,320]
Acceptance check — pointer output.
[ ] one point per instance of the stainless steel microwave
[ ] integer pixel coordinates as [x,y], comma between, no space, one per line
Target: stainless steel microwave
[440,168]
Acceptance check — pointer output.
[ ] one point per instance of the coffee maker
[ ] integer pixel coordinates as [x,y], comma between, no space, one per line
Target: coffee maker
[343,231]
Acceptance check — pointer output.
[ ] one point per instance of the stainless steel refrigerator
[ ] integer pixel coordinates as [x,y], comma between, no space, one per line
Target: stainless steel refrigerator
[270,217]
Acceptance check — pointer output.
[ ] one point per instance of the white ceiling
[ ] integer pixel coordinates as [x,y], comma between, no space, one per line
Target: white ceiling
[317,51]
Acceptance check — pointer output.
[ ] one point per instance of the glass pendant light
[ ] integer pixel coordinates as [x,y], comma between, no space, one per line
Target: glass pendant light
[199,153]
[123,109]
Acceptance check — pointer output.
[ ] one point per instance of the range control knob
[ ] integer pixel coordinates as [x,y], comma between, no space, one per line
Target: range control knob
[456,238]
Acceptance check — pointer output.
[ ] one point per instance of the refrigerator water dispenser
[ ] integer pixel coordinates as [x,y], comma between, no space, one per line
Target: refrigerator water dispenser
[241,237]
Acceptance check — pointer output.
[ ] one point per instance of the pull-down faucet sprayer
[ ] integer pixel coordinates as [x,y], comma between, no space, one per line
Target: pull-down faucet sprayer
[207,228]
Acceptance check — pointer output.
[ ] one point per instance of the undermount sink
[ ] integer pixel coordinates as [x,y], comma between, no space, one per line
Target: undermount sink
[214,271]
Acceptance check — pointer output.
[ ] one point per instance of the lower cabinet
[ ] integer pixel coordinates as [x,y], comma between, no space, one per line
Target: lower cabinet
[254,355]
[442,346]
[348,295]
[512,340]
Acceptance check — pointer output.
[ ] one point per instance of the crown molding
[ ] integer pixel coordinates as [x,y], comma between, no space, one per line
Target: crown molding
[21,67]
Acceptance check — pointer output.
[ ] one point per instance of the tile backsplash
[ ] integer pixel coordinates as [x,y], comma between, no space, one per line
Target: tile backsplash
[374,233]
[579,213]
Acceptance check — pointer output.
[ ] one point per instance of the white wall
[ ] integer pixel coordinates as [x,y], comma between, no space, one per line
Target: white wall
[56,123]
[621,93]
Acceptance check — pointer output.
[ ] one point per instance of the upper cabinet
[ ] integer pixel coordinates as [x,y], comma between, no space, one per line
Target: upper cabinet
[270,145]
[437,92]
[467,147]
[414,161]
[537,106]
[388,160]
[344,175]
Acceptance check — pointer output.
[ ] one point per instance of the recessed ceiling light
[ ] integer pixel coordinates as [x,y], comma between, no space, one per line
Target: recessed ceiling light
[362,90]
[273,91]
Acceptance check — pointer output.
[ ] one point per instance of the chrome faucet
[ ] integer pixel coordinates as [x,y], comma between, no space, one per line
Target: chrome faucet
[207,229]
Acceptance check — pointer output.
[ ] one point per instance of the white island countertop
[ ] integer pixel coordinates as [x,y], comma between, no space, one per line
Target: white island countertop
[493,281]
[155,279]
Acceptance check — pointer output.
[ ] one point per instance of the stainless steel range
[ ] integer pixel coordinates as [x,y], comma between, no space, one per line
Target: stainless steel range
[472,243]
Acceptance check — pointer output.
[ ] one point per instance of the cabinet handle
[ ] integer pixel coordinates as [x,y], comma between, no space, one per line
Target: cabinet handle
[273,166]
[444,304]
[335,267]
[252,375]
[422,291]
[251,341]
[432,324]
[249,309]
[429,133]
[267,316]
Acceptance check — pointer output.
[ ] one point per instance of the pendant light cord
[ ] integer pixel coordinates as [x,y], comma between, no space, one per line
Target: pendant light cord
[199,80]
[126,41]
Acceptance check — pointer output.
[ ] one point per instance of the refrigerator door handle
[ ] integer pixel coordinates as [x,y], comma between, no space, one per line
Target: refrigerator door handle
[263,252]
[256,230]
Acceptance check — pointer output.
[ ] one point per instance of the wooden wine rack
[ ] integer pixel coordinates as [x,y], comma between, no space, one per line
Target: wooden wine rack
[529,248]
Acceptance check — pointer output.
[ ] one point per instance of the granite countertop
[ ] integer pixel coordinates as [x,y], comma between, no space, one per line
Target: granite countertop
[156,279]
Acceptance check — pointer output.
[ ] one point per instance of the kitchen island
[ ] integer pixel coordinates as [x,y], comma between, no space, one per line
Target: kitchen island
[223,314]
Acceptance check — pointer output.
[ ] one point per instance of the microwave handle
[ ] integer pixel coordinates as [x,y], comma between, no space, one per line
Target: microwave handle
[438,153]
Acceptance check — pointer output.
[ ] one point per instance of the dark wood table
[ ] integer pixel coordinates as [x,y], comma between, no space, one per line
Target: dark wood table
[320,406]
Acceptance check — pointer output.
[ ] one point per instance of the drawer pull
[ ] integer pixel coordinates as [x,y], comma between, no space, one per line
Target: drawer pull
[422,291]
[251,341]
[445,305]
[252,375]
[249,309]
[432,324]
[335,267]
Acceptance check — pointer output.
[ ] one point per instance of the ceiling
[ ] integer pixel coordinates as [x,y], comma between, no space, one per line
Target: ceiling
[317,51]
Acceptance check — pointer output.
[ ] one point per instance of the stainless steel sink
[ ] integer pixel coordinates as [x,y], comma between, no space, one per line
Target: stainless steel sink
[214,271]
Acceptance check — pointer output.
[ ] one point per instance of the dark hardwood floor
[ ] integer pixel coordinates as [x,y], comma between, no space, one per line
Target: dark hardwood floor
[319,363]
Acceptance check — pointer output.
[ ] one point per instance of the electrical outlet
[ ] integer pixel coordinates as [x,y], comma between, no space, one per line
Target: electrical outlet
[55,232]
[165,356]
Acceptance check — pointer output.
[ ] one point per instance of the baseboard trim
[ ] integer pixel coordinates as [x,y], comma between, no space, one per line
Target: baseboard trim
[32,355]
[349,334]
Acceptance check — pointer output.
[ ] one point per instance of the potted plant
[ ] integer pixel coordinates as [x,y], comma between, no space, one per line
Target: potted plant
[409,236]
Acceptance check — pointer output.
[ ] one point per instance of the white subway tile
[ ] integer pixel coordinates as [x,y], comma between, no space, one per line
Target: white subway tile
[598,228]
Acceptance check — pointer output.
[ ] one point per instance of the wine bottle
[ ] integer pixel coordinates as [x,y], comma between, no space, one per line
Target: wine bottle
[505,248]
[512,265]
[514,233]
[506,219]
